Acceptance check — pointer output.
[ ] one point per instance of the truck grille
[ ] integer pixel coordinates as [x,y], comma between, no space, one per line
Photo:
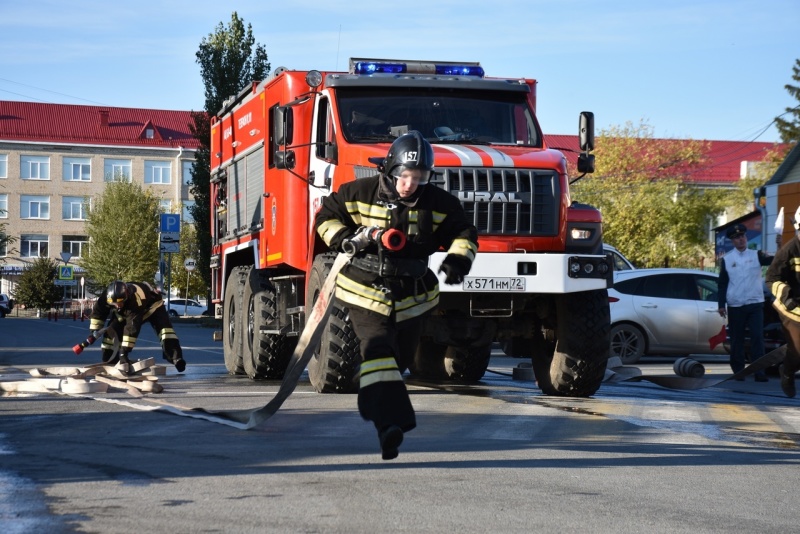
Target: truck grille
[505,201]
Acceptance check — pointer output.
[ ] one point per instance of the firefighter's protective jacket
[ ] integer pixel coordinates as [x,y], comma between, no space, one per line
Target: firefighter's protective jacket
[141,304]
[783,280]
[434,220]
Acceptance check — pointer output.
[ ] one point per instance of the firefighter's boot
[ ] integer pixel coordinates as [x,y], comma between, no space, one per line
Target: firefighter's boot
[124,364]
[390,437]
[787,382]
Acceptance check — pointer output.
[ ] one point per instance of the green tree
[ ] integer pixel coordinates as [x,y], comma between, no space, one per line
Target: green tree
[229,61]
[5,242]
[789,128]
[649,212]
[179,274]
[36,288]
[123,236]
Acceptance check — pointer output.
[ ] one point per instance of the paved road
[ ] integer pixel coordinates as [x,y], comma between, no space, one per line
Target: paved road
[497,456]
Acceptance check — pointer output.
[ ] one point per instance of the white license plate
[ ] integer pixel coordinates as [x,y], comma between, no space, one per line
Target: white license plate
[479,283]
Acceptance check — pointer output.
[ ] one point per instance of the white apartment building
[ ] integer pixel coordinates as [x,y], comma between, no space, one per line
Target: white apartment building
[53,157]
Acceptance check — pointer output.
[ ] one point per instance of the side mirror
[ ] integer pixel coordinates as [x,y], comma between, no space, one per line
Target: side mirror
[586,163]
[283,125]
[586,131]
[285,159]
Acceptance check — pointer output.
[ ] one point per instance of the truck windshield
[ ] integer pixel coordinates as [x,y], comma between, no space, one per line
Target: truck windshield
[474,117]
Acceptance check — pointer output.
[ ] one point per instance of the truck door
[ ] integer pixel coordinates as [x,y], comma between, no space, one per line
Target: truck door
[322,164]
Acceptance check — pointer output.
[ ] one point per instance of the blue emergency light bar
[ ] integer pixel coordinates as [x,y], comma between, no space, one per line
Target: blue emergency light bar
[442,68]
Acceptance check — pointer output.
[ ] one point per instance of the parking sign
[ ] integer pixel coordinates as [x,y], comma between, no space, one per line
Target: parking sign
[170,222]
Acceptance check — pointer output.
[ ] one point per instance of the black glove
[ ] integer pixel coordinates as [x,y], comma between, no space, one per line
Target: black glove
[455,268]
[790,303]
[338,241]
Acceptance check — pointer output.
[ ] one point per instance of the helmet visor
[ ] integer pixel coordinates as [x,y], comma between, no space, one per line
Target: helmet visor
[417,176]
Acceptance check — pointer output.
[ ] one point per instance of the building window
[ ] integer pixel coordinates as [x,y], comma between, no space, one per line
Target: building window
[33,246]
[117,170]
[77,169]
[165,205]
[186,172]
[3,165]
[35,167]
[3,248]
[149,133]
[34,207]
[187,214]
[74,244]
[157,172]
[73,208]
[4,206]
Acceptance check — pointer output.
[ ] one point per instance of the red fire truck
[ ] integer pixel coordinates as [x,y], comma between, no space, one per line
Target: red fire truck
[538,284]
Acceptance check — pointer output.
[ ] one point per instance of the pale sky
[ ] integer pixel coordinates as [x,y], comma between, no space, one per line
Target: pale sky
[699,69]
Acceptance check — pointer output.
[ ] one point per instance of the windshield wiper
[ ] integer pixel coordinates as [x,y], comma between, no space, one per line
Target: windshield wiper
[461,141]
[384,137]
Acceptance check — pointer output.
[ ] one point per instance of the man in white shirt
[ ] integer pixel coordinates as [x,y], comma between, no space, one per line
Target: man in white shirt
[741,290]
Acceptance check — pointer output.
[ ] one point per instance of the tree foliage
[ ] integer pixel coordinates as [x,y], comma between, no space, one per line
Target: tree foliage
[789,128]
[5,242]
[36,288]
[122,226]
[229,60]
[649,212]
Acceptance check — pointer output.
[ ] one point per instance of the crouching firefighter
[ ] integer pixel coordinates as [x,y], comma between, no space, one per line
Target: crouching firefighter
[127,306]
[389,289]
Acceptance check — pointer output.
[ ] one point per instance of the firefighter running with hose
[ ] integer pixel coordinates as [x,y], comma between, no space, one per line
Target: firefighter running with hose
[387,291]
[130,305]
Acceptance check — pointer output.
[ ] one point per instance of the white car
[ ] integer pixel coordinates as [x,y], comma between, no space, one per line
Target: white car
[621,263]
[665,311]
[183,307]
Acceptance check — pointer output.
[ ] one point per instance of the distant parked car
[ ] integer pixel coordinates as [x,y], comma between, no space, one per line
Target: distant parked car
[178,307]
[621,263]
[664,311]
[6,305]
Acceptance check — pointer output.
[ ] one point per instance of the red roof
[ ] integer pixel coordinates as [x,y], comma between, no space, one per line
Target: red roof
[94,125]
[725,157]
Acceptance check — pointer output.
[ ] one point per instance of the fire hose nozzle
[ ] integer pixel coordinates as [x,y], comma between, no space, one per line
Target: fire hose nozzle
[393,239]
[390,239]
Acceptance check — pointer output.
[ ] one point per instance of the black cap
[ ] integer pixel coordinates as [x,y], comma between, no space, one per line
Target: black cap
[736,230]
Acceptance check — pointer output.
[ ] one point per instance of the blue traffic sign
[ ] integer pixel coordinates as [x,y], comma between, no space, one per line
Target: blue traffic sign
[65,272]
[170,222]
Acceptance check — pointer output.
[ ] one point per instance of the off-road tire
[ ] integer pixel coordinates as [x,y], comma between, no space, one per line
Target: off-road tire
[334,366]
[233,321]
[543,347]
[467,364]
[517,347]
[578,364]
[263,355]
[428,361]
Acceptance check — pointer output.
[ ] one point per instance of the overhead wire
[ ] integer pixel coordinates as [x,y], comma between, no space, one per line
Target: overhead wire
[45,90]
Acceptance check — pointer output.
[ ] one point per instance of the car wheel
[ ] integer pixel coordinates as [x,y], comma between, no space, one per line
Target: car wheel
[627,342]
[173,313]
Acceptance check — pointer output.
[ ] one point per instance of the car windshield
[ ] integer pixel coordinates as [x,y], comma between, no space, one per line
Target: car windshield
[476,117]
